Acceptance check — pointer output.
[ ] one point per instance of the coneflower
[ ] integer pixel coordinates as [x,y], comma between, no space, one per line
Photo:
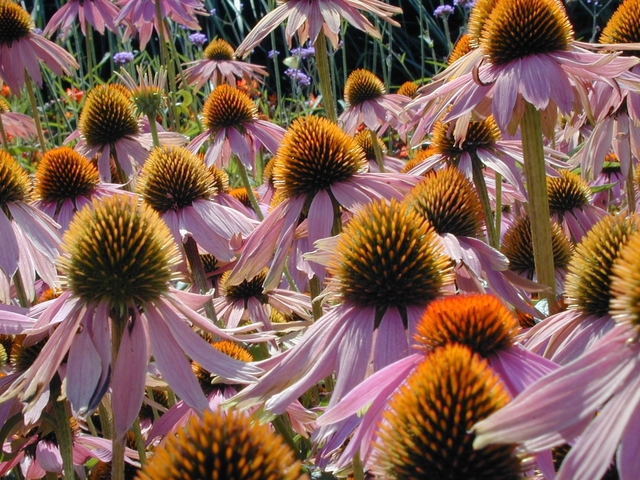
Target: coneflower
[219,65]
[426,429]
[65,182]
[567,335]
[223,446]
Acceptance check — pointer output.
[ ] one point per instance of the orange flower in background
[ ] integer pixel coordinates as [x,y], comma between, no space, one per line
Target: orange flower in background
[5,92]
[75,95]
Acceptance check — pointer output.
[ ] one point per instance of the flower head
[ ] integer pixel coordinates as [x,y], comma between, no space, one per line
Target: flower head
[198,38]
[624,25]
[426,429]
[21,49]
[108,116]
[228,107]
[223,446]
[443,11]
[122,58]
[315,154]
[64,174]
[14,181]
[589,281]
[481,322]
[218,49]
[518,28]
[449,201]
[387,257]
[362,85]
[119,254]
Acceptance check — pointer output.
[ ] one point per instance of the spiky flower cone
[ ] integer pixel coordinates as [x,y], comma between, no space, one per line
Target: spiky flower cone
[65,174]
[624,25]
[14,181]
[589,281]
[223,446]
[108,115]
[227,107]
[315,153]
[481,322]
[362,85]
[449,202]
[426,429]
[15,22]
[388,256]
[118,253]
[567,192]
[218,49]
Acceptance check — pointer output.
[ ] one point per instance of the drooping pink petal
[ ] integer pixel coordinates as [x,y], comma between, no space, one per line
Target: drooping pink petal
[84,370]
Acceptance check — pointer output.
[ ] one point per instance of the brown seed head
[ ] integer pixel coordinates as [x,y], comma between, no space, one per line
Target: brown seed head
[362,85]
[108,116]
[218,49]
[65,174]
[14,181]
[228,107]
[15,23]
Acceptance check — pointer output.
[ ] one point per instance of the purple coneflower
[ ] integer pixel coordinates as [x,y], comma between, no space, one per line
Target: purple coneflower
[479,322]
[592,402]
[29,238]
[175,183]
[309,18]
[386,266]
[565,336]
[16,124]
[319,170]
[219,66]
[232,123]
[368,103]
[97,13]
[119,310]
[65,182]
[21,50]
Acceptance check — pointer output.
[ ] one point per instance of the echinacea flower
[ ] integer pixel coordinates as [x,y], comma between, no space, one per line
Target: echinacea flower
[97,13]
[593,401]
[426,429]
[527,54]
[368,103]
[517,245]
[481,323]
[117,263]
[218,66]
[65,182]
[21,50]
[386,266]
[232,123]
[365,140]
[140,16]
[175,183]
[567,335]
[309,18]
[249,301]
[570,204]
[223,446]
[29,238]
[318,170]
[449,202]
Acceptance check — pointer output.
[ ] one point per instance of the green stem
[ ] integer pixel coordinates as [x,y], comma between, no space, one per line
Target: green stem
[481,188]
[63,430]
[498,211]
[3,134]
[154,131]
[244,176]
[534,170]
[377,151]
[324,77]
[90,51]
[358,470]
[139,441]
[20,290]
[631,192]
[314,289]
[283,427]
[199,275]
[118,325]
[164,58]
[34,107]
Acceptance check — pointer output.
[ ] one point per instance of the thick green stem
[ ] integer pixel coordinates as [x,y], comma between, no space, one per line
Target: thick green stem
[324,77]
[483,194]
[164,58]
[154,131]
[199,276]
[498,203]
[631,191]
[139,441]
[315,287]
[358,470]
[34,107]
[534,170]
[118,325]
[377,151]
[244,176]
[20,290]
[3,134]
[282,425]
[63,430]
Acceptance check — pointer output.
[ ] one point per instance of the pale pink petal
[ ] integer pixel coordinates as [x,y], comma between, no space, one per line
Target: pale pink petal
[9,253]
[84,370]
[391,342]
[48,456]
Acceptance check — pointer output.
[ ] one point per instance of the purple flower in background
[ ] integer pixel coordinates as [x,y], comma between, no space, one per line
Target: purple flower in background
[466,4]
[297,76]
[122,58]
[303,52]
[443,11]
[198,38]
[273,53]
